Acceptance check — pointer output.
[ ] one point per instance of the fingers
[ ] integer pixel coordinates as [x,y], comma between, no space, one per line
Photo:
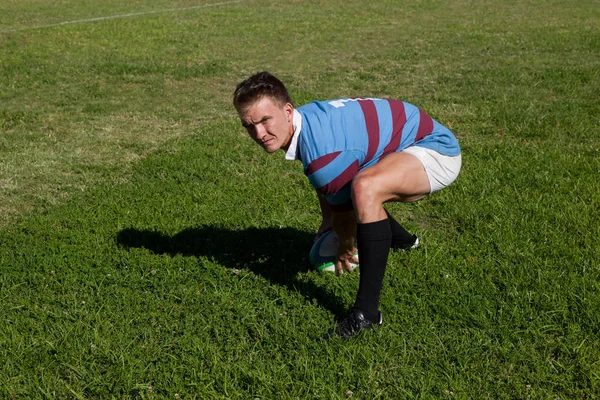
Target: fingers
[348,266]
[341,266]
[338,268]
[345,265]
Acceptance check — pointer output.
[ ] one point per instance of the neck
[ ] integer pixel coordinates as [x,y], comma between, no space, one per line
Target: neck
[286,146]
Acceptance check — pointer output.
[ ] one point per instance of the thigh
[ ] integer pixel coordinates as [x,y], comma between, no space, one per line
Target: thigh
[397,177]
[442,170]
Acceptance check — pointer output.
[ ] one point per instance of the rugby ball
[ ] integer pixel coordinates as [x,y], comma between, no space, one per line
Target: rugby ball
[323,252]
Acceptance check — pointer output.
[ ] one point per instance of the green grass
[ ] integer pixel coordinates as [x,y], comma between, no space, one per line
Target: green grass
[150,250]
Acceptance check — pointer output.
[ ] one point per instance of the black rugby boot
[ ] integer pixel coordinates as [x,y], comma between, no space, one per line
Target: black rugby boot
[353,324]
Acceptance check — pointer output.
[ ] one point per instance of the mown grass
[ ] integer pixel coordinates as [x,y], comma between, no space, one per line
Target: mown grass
[149,250]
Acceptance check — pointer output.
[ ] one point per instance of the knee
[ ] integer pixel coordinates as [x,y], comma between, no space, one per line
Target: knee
[364,191]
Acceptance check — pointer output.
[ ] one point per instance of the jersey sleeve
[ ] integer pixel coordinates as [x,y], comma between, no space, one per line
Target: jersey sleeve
[331,175]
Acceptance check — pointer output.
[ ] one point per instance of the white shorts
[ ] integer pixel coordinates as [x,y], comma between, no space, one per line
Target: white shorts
[442,170]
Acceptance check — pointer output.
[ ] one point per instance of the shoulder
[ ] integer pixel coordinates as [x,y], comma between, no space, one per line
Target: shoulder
[331,105]
[317,106]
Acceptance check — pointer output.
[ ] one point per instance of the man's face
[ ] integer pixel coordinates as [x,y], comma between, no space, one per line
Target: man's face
[268,124]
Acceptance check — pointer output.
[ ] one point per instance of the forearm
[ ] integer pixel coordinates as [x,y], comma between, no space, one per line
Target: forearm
[344,225]
[325,209]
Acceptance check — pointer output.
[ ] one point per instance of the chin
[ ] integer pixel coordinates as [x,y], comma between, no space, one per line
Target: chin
[271,149]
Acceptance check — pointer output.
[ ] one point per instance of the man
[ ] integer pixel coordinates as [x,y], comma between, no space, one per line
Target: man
[358,154]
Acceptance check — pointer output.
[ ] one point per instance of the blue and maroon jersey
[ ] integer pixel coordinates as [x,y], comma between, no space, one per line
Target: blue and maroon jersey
[341,137]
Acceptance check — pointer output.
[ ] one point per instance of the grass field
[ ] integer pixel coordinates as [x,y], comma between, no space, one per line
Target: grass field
[150,250]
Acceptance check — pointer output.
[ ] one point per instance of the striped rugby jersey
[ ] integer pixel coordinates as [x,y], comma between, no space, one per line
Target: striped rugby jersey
[339,138]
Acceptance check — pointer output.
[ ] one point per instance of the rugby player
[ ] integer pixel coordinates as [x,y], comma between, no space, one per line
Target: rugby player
[358,154]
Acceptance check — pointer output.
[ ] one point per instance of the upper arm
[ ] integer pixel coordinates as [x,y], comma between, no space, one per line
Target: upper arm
[332,174]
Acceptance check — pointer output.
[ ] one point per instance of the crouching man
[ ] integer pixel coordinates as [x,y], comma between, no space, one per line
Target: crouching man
[358,154]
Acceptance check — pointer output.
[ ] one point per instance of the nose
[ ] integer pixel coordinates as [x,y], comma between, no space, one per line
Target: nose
[260,131]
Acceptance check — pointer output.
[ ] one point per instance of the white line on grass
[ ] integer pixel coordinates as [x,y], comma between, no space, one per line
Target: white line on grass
[83,21]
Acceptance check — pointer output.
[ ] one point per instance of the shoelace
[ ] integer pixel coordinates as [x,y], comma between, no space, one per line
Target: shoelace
[350,325]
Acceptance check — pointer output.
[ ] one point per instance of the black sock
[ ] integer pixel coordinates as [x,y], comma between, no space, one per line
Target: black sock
[373,240]
[401,238]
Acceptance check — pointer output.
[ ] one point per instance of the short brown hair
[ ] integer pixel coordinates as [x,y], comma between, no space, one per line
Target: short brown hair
[262,84]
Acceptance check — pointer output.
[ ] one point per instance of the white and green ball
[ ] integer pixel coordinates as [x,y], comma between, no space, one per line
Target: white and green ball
[323,252]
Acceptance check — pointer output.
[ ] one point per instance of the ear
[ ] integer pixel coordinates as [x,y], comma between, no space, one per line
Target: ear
[288,108]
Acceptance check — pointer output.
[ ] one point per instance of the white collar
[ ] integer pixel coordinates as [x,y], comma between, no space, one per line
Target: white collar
[292,151]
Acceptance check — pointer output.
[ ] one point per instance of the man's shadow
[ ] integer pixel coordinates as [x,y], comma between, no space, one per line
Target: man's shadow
[277,254]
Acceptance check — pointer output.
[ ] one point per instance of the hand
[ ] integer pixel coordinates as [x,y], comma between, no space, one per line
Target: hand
[344,224]
[346,259]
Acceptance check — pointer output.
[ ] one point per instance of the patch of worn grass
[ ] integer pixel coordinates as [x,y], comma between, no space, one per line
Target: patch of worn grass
[177,69]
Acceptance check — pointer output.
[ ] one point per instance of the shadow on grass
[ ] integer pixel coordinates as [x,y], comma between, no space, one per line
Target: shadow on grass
[277,254]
